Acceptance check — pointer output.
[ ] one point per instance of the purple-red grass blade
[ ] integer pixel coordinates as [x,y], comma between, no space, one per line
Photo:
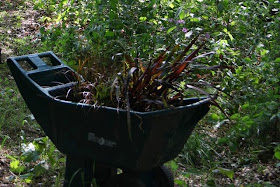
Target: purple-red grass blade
[129,76]
[199,90]
[213,102]
[141,66]
[204,83]
[113,86]
[184,64]
[171,54]
[204,55]
[161,55]
[180,57]
[217,67]
[129,59]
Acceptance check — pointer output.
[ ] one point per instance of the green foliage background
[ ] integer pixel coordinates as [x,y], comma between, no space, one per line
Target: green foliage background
[244,35]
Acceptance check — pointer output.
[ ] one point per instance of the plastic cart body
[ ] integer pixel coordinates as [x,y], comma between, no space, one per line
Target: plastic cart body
[97,136]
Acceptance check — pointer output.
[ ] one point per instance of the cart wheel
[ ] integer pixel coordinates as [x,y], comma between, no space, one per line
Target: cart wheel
[162,177]
[124,180]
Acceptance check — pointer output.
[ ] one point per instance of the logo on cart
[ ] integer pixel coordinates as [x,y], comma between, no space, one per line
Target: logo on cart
[100,140]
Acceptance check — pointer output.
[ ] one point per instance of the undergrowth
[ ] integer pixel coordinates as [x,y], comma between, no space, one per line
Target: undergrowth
[244,35]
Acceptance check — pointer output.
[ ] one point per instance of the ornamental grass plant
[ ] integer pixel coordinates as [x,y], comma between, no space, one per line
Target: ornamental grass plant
[146,84]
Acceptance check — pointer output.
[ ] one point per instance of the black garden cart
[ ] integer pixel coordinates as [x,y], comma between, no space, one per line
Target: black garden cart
[96,139]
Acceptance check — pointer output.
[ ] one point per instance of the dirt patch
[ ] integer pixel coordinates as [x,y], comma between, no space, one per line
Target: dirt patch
[18,20]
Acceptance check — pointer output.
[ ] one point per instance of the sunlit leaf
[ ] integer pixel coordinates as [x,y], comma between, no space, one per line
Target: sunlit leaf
[227,172]
[229,34]
[235,116]
[180,182]
[277,155]
[174,166]
[27,177]
[109,34]
[16,167]
[277,60]
[14,164]
[171,5]
[214,117]
[171,29]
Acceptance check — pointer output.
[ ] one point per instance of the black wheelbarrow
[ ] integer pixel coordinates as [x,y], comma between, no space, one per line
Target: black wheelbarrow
[96,139]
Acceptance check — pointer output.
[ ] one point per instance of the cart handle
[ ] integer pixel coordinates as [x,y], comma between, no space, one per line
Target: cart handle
[38,66]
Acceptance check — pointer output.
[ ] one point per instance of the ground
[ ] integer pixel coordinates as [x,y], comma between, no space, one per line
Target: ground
[19,34]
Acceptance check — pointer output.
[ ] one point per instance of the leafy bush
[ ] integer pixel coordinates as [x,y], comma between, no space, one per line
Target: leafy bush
[245,36]
[105,28]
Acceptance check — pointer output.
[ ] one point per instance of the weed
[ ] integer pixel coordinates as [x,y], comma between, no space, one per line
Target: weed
[198,151]
[35,160]
[11,103]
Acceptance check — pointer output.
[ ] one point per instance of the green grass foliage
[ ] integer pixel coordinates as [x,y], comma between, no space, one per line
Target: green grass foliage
[244,35]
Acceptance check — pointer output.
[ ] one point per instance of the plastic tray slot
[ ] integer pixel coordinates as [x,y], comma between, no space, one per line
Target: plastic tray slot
[26,64]
[53,77]
[49,59]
